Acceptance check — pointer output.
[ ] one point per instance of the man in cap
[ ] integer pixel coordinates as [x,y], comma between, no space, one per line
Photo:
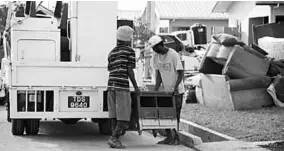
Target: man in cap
[169,73]
[121,62]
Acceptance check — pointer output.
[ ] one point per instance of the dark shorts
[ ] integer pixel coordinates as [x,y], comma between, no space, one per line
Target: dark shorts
[119,104]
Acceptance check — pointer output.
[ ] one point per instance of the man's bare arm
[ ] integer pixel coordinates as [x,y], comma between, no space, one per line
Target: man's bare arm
[132,77]
[158,80]
[180,78]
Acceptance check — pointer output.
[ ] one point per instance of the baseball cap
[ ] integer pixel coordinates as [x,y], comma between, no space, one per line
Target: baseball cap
[124,33]
[154,40]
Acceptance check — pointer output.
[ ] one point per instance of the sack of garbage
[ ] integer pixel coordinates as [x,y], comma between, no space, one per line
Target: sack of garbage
[275,67]
[227,40]
[190,96]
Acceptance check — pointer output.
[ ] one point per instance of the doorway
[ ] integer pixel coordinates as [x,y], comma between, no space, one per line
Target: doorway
[254,22]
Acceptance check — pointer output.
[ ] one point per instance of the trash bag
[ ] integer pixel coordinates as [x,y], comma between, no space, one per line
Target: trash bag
[190,96]
[275,67]
[227,40]
[272,92]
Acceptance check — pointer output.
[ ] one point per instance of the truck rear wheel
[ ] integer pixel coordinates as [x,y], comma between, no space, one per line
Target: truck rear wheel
[105,126]
[32,126]
[8,112]
[18,126]
[7,104]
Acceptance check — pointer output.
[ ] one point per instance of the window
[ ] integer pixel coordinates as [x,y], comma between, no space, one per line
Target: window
[265,20]
[183,28]
[279,19]
[164,30]
[167,39]
[182,37]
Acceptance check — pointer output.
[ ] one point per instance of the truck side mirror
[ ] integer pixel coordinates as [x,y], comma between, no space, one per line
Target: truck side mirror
[28,6]
[31,8]
[58,9]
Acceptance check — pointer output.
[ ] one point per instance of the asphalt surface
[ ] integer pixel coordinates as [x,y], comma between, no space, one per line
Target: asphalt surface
[83,136]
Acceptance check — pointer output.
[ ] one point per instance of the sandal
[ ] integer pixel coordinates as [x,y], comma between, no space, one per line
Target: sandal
[115,143]
[174,142]
[168,140]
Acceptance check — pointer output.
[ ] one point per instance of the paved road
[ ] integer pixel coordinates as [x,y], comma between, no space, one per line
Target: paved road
[83,136]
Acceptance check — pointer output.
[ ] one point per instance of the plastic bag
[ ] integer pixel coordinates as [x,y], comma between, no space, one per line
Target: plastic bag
[272,92]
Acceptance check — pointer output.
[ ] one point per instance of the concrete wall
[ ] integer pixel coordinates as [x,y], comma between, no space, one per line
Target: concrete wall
[241,11]
[175,24]
[275,11]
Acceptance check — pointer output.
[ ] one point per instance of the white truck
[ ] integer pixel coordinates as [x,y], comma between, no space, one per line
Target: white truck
[55,63]
[186,37]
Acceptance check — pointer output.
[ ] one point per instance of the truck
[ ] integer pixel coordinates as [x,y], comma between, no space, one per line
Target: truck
[55,63]
[193,39]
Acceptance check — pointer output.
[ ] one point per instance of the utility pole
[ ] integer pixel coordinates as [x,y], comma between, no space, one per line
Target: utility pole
[150,15]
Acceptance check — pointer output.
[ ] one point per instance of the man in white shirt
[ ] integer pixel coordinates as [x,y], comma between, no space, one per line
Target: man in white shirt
[169,73]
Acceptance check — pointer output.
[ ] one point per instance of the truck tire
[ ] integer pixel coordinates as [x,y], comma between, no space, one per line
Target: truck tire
[18,126]
[8,112]
[2,100]
[94,120]
[105,126]
[8,116]
[32,126]
[7,104]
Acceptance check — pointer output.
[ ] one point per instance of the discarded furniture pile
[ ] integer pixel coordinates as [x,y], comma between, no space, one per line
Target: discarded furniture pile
[236,76]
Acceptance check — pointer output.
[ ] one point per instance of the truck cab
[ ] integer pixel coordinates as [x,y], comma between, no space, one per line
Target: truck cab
[186,37]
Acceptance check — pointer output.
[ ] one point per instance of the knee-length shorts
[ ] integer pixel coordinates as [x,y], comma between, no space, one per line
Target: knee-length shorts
[119,104]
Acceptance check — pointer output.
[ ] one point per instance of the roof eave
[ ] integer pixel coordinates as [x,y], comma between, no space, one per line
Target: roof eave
[195,18]
[222,6]
[273,3]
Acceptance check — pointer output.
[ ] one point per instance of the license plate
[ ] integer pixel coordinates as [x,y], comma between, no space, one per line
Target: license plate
[78,102]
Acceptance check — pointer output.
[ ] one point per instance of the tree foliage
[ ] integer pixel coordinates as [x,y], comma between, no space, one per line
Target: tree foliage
[142,32]
[3,16]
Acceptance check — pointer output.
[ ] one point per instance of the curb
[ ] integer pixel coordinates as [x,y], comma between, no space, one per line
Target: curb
[206,134]
[188,139]
[267,142]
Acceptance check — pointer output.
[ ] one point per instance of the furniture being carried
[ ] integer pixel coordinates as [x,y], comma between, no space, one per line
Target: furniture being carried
[153,110]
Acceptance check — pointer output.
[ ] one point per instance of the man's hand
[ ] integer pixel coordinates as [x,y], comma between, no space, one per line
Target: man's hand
[137,90]
[176,91]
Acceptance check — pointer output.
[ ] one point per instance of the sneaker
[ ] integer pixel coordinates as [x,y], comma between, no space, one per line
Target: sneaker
[168,140]
[115,143]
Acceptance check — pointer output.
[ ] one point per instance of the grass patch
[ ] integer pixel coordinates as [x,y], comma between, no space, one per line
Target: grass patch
[266,124]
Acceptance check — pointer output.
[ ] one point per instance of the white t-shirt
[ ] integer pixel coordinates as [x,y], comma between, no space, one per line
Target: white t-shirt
[168,65]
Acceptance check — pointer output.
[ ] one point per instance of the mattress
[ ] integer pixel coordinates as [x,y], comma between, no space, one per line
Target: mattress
[273,46]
